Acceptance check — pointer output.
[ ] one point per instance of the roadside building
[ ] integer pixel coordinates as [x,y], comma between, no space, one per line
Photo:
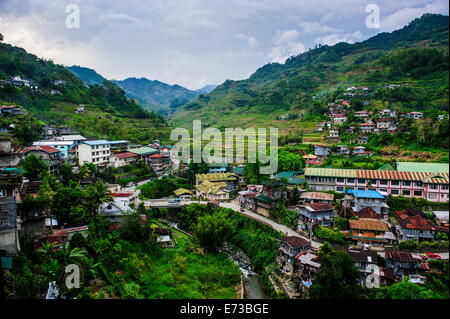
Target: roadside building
[414,225]
[360,199]
[404,263]
[216,191]
[289,248]
[231,181]
[97,152]
[368,231]
[49,154]
[433,187]
[122,159]
[315,214]
[316,198]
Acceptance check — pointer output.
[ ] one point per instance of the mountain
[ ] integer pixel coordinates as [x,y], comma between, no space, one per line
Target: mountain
[206,89]
[155,95]
[52,94]
[88,76]
[416,55]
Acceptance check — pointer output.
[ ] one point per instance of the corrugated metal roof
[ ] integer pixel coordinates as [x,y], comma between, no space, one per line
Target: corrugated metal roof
[422,167]
[317,195]
[374,174]
[368,224]
[216,177]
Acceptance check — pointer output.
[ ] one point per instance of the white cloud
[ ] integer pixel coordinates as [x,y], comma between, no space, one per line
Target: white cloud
[403,16]
[336,38]
[310,28]
[251,41]
[286,36]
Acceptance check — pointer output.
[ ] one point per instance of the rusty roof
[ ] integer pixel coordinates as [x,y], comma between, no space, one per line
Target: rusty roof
[317,195]
[442,178]
[402,256]
[411,219]
[368,212]
[294,241]
[317,207]
[368,224]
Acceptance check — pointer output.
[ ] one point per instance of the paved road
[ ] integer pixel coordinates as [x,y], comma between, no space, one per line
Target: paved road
[279,227]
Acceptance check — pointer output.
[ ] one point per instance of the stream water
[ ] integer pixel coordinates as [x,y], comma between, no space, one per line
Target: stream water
[251,279]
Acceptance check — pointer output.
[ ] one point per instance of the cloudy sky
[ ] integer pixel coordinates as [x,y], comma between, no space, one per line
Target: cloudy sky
[194,42]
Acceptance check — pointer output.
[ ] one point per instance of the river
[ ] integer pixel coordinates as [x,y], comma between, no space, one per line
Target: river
[251,279]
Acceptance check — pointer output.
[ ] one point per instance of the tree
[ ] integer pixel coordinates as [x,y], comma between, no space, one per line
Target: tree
[132,227]
[407,290]
[1,37]
[337,277]
[213,230]
[35,167]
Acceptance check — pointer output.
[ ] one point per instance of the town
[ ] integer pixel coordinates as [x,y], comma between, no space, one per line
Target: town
[347,208]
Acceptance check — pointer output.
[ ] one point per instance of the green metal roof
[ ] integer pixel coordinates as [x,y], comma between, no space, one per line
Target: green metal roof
[143,150]
[386,167]
[264,199]
[238,170]
[287,174]
[422,167]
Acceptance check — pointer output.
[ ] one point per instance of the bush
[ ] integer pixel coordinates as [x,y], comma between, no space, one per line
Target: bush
[329,235]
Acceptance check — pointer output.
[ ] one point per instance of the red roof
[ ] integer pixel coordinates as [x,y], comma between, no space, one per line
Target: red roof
[368,212]
[339,115]
[154,146]
[121,194]
[366,124]
[41,148]
[125,155]
[401,256]
[156,156]
[294,241]
[8,106]
[413,220]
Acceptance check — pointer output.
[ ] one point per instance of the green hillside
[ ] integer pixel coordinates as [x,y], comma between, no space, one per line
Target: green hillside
[300,89]
[155,95]
[54,93]
[87,75]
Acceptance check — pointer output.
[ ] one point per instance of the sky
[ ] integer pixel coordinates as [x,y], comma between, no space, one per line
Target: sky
[194,42]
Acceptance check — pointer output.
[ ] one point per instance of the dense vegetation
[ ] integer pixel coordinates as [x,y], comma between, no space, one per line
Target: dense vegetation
[301,87]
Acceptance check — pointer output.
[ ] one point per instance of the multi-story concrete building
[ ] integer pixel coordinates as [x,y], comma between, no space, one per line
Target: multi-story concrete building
[413,225]
[431,186]
[97,152]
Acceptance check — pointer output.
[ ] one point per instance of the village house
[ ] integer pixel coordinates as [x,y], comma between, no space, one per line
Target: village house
[273,191]
[144,153]
[321,151]
[359,199]
[363,114]
[387,113]
[49,154]
[361,151]
[383,124]
[115,209]
[317,214]
[9,224]
[413,225]
[433,187]
[343,150]
[415,115]
[339,118]
[9,156]
[122,159]
[367,128]
[289,248]
[216,191]
[230,180]
[157,162]
[405,263]
[10,110]
[368,231]
[316,198]
[62,146]
[361,140]
[183,194]
[80,110]
[312,159]
[333,134]
[306,267]
[165,151]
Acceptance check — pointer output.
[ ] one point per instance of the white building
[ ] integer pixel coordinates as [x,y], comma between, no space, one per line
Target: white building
[115,209]
[97,152]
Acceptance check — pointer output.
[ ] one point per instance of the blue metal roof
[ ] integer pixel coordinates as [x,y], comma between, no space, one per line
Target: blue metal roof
[366,194]
[96,142]
[118,142]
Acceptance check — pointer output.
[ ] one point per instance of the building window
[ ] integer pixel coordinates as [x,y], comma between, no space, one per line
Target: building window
[383,190]
[417,193]
[350,180]
[395,183]
[406,192]
[432,196]
[2,192]
[3,208]
[361,181]
[339,180]
[394,191]
[444,186]
[406,183]
[433,186]
[418,184]
[383,182]
[339,189]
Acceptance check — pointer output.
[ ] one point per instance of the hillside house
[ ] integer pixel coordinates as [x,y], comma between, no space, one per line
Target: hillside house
[367,128]
[363,114]
[404,263]
[312,159]
[367,230]
[49,154]
[318,214]
[289,248]
[343,150]
[216,191]
[122,159]
[10,110]
[231,181]
[316,198]
[333,134]
[339,118]
[413,225]
[114,210]
[359,199]
[273,191]
[321,150]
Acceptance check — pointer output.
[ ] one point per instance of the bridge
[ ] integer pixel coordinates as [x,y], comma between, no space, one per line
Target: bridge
[169,203]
